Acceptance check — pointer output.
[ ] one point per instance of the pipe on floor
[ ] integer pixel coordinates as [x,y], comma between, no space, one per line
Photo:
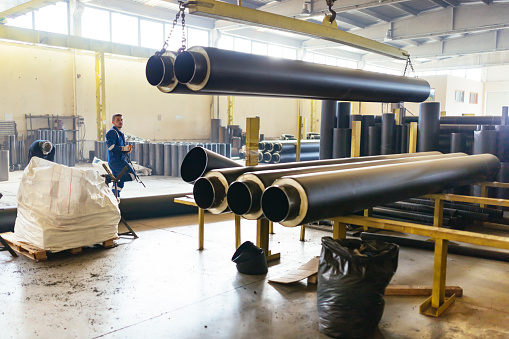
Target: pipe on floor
[299,199]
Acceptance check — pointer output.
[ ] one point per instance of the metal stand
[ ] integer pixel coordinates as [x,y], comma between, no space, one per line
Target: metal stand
[115,181]
[5,247]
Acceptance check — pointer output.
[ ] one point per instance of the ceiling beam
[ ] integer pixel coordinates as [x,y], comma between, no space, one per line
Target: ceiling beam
[406,8]
[349,21]
[375,14]
[453,3]
[487,2]
[440,3]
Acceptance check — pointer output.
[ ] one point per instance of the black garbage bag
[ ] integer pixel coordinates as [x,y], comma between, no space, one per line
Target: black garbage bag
[352,277]
[250,259]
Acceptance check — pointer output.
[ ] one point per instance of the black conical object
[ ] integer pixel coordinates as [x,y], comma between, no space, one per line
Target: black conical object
[200,160]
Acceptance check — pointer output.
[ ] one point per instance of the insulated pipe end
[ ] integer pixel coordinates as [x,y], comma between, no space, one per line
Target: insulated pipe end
[194,164]
[244,197]
[159,70]
[280,203]
[208,192]
[192,68]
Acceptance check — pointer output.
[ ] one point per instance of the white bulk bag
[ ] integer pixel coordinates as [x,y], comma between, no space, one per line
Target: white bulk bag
[60,207]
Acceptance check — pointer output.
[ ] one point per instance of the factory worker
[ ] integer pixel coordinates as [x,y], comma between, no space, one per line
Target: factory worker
[118,153]
[42,149]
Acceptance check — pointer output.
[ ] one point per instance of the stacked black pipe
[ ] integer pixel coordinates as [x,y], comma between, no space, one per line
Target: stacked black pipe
[281,151]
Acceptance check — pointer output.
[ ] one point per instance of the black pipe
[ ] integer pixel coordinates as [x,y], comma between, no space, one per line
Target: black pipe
[254,183]
[344,110]
[409,216]
[267,157]
[153,206]
[200,160]
[215,124]
[503,176]
[469,120]
[146,154]
[226,176]
[327,123]
[503,142]
[387,141]
[291,157]
[290,146]
[504,120]
[429,126]
[448,212]
[491,212]
[159,153]
[167,160]
[428,245]
[458,142]
[8,218]
[341,145]
[299,199]
[405,136]
[374,139]
[398,131]
[234,72]
[447,129]
[152,157]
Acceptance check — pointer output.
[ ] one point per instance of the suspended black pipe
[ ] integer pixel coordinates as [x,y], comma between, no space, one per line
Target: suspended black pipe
[212,69]
[299,199]
[327,123]
[428,245]
[214,185]
[429,126]
[245,193]
[200,160]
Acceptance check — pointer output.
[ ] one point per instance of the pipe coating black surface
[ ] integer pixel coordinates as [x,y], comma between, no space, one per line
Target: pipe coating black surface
[374,139]
[387,141]
[327,123]
[212,69]
[199,161]
[429,126]
[485,141]
[248,187]
[342,138]
[344,110]
[213,186]
[299,199]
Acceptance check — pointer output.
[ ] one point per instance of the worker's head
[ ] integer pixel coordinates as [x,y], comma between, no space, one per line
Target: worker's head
[46,147]
[117,120]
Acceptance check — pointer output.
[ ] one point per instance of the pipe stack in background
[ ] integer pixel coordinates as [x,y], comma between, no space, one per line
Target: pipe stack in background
[18,157]
[281,151]
[163,158]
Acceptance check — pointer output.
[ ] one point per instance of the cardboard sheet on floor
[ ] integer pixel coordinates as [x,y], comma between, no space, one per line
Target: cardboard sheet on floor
[305,271]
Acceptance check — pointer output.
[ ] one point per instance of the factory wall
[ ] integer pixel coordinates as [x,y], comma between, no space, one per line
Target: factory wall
[496,89]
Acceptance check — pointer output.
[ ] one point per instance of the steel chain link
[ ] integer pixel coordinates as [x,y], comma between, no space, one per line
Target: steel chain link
[180,13]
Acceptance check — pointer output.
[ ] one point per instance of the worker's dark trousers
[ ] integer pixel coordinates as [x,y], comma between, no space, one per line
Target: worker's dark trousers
[129,175]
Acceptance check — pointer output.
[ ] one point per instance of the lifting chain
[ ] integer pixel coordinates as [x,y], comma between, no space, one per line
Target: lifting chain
[409,63]
[180,14]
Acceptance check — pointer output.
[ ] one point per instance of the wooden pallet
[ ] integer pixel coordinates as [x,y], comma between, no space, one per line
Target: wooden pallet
[39,254]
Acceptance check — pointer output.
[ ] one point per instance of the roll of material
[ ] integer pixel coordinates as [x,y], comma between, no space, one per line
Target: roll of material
[222,134]
[217,70]
[429,126]
[387,138]
[7,218]
[299,199]
[458,142]
[342,141]
[503,142]
[4,165]
[167,160]
[152,157]
[159,158]
[175,169]
[398,131]
[215,124]
[327,123]
[405,136]
[374,139]
[485,141]
[146,155]
[343,113]
[244,195]
[212,188]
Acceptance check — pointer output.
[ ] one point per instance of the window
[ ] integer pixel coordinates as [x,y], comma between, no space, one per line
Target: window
[124,29]
[275,51]
[242,45]
[151,34]
[176,37]
[23,21]
[95,24]
[289,53]
[197,37]
[331,61]
[225,42]
[308,57]
[473,98]
[259,48]
[52,18]
[319,59]
[431,95]
[459,96]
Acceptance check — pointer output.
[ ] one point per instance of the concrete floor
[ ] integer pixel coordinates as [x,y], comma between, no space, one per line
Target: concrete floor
[161,286]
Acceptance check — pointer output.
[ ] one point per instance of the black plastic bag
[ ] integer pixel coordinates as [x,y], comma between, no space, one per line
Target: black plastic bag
[352,277]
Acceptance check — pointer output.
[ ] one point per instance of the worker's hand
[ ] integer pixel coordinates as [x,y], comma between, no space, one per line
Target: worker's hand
[127,148]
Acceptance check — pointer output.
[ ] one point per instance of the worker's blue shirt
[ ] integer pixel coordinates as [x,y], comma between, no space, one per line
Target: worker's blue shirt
[36,151]
[115,140]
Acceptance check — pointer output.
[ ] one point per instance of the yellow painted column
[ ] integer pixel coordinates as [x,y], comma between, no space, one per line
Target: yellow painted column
[201,227]
[412,143]
[100,96]
[356,139]
[439,273]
